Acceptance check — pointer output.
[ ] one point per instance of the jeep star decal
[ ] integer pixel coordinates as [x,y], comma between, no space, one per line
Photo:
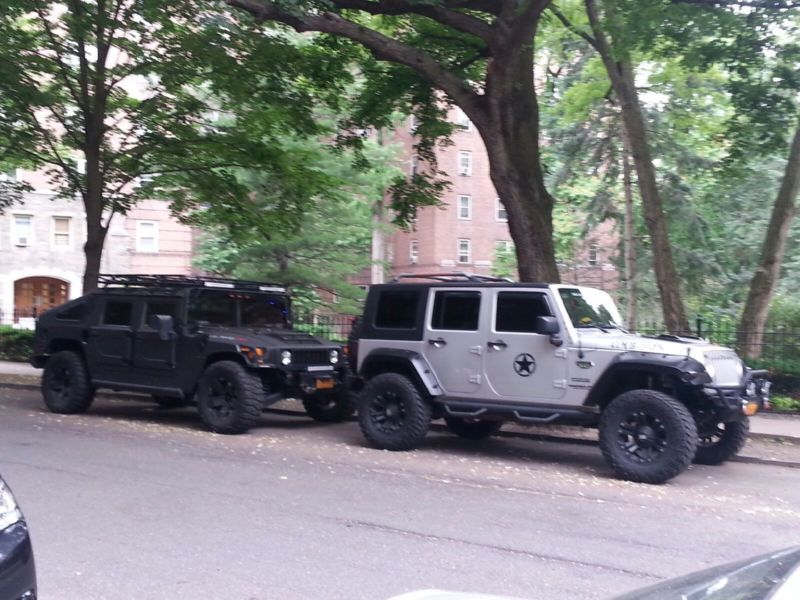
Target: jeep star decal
[524,364]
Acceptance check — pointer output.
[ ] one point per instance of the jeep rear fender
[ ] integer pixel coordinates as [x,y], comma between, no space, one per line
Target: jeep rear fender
[406,362]
[635,370]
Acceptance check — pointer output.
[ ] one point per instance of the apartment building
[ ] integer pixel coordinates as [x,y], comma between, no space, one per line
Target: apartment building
[466,233]
[41,248]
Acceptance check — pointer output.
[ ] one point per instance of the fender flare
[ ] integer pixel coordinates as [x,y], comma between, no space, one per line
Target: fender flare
[408,361]
[684,369]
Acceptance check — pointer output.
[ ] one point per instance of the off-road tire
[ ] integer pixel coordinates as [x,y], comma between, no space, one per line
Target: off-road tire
[229,398]
[647,436]
[169,402]
[472,429]
[724,444]
[392,413]
[65,384]
[331,407]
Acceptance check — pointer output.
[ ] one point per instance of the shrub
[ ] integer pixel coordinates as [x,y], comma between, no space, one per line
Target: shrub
[15,344]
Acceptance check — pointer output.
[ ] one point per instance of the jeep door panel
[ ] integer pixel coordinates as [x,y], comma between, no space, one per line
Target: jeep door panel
[519,363]
[452,340]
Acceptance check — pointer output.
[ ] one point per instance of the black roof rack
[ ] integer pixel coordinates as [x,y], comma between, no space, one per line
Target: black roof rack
[173,281]
[453,276]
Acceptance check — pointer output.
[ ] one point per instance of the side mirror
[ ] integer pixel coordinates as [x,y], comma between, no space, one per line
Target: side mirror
[546,325]
[549,326]
[164,325]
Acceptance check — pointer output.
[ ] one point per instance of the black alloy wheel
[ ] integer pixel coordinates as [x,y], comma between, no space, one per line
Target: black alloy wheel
[65,384]
[647,436]
[392,413]
[229,397]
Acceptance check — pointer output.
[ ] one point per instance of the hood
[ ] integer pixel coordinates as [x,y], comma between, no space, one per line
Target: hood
[262,336]
[723,364]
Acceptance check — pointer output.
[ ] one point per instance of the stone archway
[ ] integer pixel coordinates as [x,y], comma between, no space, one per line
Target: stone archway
[34,295]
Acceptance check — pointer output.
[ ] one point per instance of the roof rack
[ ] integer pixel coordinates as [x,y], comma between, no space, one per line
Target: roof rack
[453,276]
[173,281]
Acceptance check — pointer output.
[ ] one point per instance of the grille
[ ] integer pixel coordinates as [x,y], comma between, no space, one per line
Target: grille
[311,357]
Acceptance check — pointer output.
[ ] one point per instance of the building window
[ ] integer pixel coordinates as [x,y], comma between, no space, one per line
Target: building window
[465,207]
[462,120]
[503,246]
[413,166]
[413,123]
[62,228]
[593,248]
[413,252]
[146,236]
[465,162]
[500,213]
[22,230]
[464,252]
[80,165]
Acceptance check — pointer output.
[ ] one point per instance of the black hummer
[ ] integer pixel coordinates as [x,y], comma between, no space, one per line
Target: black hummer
[225,345]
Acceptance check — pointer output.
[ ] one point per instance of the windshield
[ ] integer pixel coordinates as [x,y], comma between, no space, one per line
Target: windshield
[590,308]
[239,309]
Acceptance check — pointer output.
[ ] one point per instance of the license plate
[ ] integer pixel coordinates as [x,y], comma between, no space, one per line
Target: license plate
[324,384]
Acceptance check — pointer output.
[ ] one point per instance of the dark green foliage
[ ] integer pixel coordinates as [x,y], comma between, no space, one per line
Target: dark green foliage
[15,344]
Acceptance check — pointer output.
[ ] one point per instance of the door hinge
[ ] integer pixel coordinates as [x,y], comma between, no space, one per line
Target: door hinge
[474,379]
[561,353]
[560,384]
[475,350]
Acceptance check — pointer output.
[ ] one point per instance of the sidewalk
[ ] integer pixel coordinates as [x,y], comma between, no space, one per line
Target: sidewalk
[763,424]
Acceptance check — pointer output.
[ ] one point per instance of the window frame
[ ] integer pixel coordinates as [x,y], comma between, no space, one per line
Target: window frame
[443,294]
[15,230]
[139,245]
[468,243]
[110,301]
[468,198]
[413,252]
[593,254]
[498,208]
[496,310]
[54,233]
[465,163]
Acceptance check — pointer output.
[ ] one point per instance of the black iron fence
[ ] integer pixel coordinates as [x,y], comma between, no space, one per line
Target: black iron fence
[334,327]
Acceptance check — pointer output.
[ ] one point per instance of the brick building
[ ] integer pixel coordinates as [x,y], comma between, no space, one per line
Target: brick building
[41,248]
[466,233]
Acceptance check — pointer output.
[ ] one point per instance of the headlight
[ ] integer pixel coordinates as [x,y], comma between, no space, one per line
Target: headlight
[334,356]
[286,357]
[9,511]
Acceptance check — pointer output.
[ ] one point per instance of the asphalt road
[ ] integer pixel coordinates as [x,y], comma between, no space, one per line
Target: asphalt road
[132,502]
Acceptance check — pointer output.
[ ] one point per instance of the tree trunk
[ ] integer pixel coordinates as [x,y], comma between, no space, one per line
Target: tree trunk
[629,239]
[93,251]
[622,81]
[93,205]
[765,279]
[511,138]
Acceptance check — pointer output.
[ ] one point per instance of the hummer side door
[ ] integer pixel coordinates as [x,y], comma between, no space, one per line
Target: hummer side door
[520,364]
[110,351]
[452,339]
[156,358]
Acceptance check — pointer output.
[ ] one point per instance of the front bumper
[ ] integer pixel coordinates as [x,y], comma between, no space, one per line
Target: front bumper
[17,569]
[733,403]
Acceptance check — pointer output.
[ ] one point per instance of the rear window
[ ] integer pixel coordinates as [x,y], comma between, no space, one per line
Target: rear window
[456,311]
[397,309]
[117,313]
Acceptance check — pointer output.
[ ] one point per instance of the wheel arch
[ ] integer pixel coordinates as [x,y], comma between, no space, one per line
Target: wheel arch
[673,375]
[405,362]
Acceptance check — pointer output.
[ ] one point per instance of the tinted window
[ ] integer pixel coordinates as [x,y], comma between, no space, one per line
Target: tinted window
[117,313]
[213,308]
[160,307]
[517,311]
[247,310]
[456,310]
[397,309]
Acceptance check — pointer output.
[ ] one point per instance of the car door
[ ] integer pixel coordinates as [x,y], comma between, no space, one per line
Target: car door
[520,364]
[154,357]
[453,342]
[111,341]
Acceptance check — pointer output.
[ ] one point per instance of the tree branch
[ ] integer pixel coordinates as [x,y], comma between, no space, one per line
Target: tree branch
[381,46]
[571,26]
[449,17]
[778,5]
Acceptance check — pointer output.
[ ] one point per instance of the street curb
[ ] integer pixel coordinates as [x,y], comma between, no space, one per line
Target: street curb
[440,428]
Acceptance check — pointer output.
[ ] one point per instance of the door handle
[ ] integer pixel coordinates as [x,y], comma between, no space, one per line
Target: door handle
[437,343]
[498,345]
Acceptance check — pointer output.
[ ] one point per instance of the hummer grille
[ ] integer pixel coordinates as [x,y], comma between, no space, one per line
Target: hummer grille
[311,357]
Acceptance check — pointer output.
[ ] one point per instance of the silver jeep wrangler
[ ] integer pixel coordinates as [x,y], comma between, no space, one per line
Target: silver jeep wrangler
[478,351]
